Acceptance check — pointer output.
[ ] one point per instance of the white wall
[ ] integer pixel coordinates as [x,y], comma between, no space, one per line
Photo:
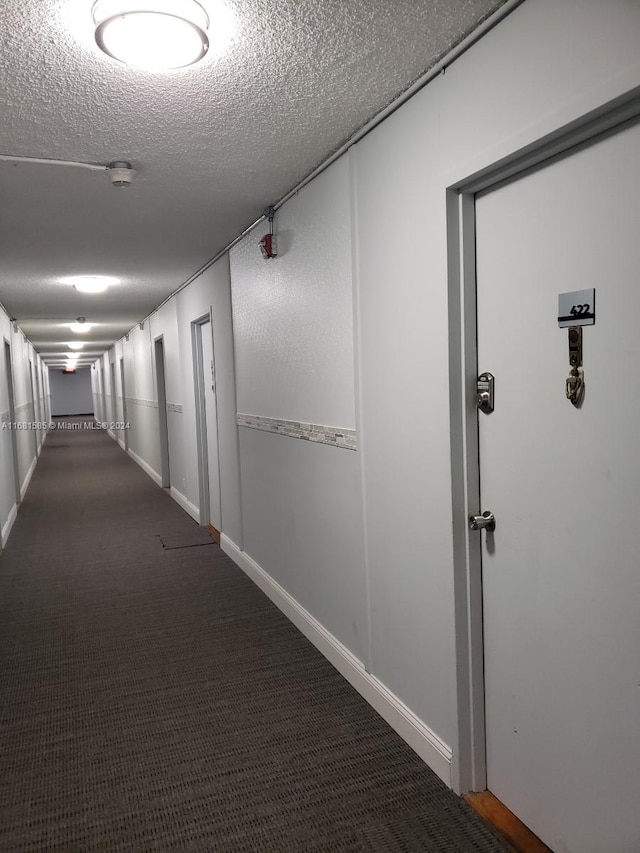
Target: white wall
[7,469]
[208,295]
[293,328]
[142,401]
[22,354]
[293,317]
[362,541]
[31,404]
[71,392]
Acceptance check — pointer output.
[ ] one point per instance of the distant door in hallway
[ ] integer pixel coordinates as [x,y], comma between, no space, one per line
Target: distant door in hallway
[39,408]
[561,573]
[114,395]
[103,395]
[34,409]
[125,430]
[207,419]
[163,424]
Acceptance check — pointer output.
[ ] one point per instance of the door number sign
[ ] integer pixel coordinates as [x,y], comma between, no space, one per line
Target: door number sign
[577,308]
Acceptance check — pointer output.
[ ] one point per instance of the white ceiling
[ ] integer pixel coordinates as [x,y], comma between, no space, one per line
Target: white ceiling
[214,144]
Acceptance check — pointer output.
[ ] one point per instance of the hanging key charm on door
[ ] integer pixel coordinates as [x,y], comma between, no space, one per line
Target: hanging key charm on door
[575,382]
[575,386]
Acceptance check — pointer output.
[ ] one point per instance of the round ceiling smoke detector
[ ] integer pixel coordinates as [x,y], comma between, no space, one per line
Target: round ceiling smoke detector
[152,34]
[121,174]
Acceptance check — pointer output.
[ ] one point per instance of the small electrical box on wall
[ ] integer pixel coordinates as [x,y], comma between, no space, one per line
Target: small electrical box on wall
[269,243]
[269,246]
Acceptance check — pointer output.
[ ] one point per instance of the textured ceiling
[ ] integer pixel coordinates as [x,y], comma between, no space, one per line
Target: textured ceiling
[214,144]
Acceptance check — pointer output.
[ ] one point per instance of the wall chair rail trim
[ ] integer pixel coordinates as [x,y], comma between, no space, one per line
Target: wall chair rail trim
[331,435]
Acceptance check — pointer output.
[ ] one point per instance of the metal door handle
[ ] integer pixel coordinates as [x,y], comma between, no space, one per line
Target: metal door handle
[486,521]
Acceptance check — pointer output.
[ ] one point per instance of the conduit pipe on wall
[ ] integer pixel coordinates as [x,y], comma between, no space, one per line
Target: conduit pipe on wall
[11,158]
[488,24]
[119,172]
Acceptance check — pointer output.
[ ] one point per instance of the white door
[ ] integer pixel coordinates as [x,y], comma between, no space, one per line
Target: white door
[561,573]
[211,426]
[163,421]
[125,431]
[103,399]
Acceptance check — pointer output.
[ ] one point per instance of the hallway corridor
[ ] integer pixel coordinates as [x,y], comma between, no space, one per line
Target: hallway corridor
[153,699]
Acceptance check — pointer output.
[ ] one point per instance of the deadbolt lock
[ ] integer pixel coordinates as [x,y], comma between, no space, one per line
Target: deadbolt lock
[486,521]
[485,393]
[575,346]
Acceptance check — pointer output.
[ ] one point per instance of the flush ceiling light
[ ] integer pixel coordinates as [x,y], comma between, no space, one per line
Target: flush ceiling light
[80,327]
[152,34]
[91,283]
[75,345]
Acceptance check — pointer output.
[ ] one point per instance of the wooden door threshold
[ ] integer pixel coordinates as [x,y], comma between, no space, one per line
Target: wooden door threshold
[505,824]
[213,533]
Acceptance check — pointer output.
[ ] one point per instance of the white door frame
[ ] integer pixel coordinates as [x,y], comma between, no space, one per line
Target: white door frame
[201,417]
[470,771]
[114,395]
[103,388]
[38,406]
[163,418]
[125,430]
[34,410]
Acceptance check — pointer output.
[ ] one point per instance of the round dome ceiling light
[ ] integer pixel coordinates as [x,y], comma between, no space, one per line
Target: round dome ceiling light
[80,327]
[152,34]
[91,283]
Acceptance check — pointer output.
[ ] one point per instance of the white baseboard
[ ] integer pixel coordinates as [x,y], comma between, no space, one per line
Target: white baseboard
[122,445]
[436,754]
[145,467]
[178,497]
[7,526]
[186,505]
[112,434]
[27,479]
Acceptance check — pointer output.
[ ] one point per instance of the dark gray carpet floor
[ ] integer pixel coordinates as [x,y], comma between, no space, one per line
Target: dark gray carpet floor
[153,699]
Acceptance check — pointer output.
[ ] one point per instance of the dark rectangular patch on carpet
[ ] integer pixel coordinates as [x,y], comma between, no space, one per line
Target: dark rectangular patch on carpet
[185,539]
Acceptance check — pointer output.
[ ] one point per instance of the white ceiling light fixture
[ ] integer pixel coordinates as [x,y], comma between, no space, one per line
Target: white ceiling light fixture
[152,34]
[75,345]
[80,327]
[91,283]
